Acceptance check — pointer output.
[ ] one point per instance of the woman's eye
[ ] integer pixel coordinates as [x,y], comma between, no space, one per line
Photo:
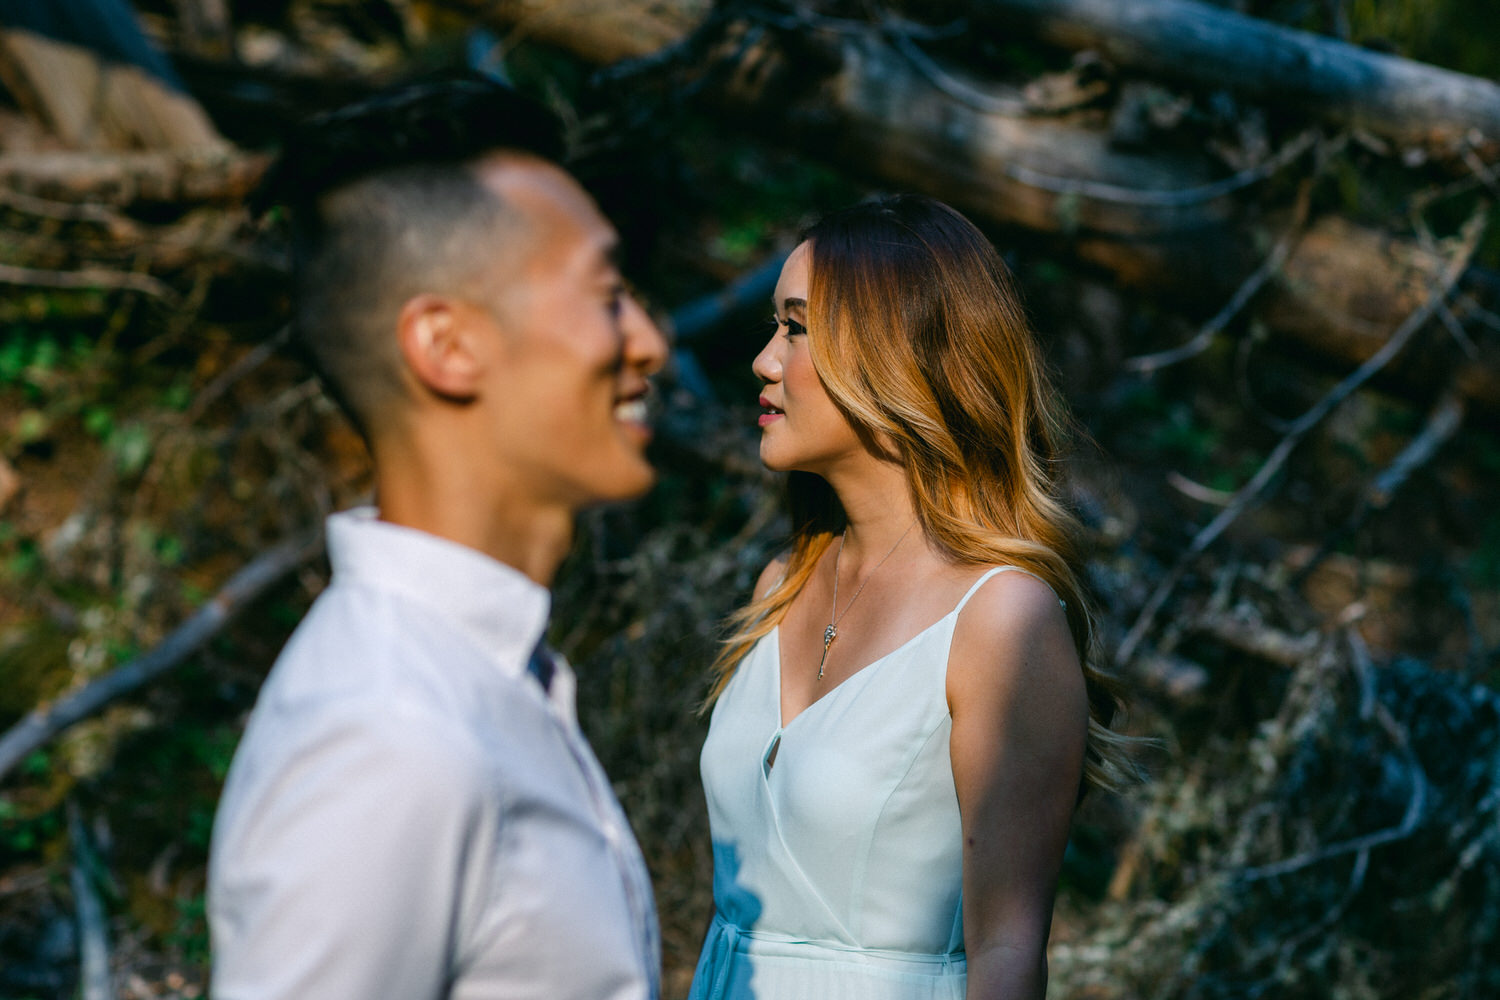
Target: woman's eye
[795,329]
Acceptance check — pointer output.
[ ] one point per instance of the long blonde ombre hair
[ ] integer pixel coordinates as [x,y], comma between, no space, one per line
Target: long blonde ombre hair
[917,334]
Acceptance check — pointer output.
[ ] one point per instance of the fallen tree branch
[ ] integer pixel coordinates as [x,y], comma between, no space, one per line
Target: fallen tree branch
[93,936]
[1442,423]
[91,277]
[1238,631]
[694,319]
[251,360]
[963,93]
[1406,102]
[1165,197]
[42,724]
[47,208]
[1252,490]
[124,178]
[1269,268]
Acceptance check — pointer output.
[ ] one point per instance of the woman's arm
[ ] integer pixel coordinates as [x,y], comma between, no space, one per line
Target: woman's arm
[1020,722]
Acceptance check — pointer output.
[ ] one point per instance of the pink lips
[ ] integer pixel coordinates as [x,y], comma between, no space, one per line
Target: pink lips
[773,415]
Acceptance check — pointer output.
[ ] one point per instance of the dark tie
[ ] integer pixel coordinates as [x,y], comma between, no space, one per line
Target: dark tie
[541,665]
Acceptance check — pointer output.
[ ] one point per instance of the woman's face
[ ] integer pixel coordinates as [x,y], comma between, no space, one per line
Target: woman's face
[800,428]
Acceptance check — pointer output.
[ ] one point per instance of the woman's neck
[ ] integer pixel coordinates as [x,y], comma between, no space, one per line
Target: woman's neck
[877,507]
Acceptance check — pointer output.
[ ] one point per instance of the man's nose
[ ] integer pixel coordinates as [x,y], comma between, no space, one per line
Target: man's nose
[645,344]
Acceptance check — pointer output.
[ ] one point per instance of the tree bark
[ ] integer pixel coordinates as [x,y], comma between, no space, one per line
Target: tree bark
[123,179]
[1406,102]
[93,102]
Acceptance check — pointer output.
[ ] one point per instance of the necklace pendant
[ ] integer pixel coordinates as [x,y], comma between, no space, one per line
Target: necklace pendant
[829,634]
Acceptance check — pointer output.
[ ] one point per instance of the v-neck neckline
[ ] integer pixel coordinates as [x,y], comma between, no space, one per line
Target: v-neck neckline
[775,635]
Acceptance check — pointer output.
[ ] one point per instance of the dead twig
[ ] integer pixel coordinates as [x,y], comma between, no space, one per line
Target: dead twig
[44,723]
[1246,633]
[246,364]
[1146,364]
[93,935]
[1299,428]
[88,278]
[47,208]
[1482,171]
[1456,329]
[1178,198]
[963,93]
[1442,423]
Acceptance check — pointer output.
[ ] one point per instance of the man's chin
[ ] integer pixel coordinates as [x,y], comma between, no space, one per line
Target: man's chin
[626,484]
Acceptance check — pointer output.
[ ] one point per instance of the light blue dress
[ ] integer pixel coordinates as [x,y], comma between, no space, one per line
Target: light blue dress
[837,870]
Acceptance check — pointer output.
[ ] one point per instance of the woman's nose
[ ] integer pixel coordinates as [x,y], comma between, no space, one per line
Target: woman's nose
[767,364]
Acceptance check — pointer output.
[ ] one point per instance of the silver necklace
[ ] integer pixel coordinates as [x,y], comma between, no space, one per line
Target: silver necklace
[832,631]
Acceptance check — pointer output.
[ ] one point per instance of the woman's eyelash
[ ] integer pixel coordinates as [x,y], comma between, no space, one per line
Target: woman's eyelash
[793,328]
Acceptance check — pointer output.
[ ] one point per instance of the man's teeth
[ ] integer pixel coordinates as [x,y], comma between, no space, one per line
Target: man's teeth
[631,411]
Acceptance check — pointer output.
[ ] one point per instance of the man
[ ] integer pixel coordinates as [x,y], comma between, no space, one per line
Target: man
[413,812]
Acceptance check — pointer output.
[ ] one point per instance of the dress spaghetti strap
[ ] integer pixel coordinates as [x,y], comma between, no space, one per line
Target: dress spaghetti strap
[1001,569]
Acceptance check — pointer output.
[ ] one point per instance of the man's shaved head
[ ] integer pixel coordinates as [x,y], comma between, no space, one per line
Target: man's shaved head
[385,204]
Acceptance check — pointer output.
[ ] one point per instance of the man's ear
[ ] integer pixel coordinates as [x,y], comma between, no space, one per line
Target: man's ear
[439,345]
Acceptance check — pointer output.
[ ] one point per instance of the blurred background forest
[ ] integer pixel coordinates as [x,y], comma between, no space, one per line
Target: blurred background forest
[1256,239]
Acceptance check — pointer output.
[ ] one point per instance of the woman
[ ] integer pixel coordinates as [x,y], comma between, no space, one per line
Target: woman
[905,713]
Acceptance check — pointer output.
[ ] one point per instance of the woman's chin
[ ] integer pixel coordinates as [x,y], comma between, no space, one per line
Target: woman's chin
[774,461]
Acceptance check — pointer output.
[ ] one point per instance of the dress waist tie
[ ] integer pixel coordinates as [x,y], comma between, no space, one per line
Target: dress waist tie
[725,939]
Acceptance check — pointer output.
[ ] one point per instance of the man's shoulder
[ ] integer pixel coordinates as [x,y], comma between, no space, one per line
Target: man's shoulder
[360,642]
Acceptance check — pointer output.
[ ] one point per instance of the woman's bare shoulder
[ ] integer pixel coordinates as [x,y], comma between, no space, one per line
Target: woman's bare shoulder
[770,576]
[1013,630]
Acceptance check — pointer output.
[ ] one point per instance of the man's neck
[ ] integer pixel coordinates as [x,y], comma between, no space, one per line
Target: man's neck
[454,500]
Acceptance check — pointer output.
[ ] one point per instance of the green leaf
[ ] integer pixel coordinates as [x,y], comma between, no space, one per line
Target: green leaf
[131,445]
[32,426]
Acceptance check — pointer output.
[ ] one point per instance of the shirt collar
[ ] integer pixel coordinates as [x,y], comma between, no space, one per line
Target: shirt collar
[501,606]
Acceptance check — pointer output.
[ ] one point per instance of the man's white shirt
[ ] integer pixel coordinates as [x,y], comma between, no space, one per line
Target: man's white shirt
[409,814]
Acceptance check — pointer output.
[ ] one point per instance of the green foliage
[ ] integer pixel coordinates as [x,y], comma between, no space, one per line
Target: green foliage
[23,831]
[189,936]
[1484,564]
[34,359]
[130,444]
[1457,34]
